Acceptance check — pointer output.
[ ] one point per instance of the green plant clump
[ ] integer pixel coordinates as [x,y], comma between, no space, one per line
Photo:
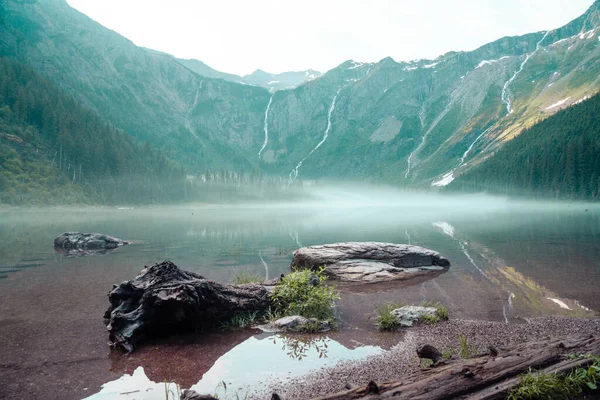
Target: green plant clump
[242,278]
[465,349]
[384,319]
[241,320]
[305,293]
[441,315]
[539,385]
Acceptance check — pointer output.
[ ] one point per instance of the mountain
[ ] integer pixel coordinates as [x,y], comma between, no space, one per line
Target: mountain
[285,80]
[202,69]
[418,123]
[53,151]
[557,157]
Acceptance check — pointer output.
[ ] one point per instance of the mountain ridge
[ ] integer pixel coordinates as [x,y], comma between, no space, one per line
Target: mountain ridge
[405,123]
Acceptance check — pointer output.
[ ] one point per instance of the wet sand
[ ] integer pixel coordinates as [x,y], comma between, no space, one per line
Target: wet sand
[402,358]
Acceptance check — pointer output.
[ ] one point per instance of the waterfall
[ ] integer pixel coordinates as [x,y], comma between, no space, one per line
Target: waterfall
[295,171]
[505,93]
[265,265]
[433,125]
[188,125]
[449,176]
[266,128]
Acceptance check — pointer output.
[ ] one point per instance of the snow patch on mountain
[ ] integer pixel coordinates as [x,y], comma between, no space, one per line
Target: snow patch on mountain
[489,62]
[431,65]
[558,103]
[583,99]
[445,180]
[587,35]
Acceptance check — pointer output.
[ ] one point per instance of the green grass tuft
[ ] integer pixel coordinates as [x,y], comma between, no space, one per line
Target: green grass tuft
[465,348]
[442,311]
[539,385]
[242,320]
[384,319]
[242,278]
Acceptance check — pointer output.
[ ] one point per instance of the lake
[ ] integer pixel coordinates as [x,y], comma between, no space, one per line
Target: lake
[510,260]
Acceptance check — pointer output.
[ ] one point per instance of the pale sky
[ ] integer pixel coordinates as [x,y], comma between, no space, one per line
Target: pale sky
[240,36]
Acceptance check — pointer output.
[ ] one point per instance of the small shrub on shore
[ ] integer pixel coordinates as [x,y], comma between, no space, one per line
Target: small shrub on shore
[465,349]
[241,320]
[305,293]
[384,319]
[242,278]
[539,385]
[442,311]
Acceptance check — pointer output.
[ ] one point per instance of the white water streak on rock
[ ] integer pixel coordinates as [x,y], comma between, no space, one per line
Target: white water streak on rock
[295,238]
[188,125]
[266,127]
[264,265]
[507,308]
[433,125]
[295,171]
[449,176]
[505,93]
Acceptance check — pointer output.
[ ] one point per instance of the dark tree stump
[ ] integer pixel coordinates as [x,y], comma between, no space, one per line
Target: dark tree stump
[163,299]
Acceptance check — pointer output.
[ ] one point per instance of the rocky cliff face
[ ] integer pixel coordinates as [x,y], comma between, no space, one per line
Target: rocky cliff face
[413,123]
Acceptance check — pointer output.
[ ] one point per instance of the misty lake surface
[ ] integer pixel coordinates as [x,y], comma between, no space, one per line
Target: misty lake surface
[510,261]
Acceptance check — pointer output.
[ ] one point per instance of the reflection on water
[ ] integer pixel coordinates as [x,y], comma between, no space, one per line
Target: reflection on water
[137,386]
[248,366]
[508,263]
[266,357]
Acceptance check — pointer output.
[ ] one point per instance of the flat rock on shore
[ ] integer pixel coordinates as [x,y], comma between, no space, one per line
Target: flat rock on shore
[368,262]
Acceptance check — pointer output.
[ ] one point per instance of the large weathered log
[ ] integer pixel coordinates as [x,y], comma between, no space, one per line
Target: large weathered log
[484,377]
[368,262]
[164,299]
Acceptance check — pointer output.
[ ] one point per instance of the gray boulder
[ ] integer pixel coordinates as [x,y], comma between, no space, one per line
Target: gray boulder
[408,315]
[296,323]
[368,262]
[77,243]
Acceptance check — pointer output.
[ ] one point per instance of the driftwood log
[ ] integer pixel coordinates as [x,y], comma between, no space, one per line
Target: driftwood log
[163,299]
[482,377]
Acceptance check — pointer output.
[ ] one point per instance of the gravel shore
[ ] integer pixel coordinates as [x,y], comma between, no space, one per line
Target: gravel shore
[402,358]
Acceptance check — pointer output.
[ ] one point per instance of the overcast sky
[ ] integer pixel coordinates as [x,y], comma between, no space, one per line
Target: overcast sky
[240,36]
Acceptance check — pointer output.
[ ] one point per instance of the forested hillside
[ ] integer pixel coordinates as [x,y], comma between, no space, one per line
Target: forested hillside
[559,156]
[52,150]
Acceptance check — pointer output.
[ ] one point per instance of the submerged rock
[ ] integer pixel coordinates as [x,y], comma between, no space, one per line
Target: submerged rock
[190,394]
[77,243]
[368,262]
[408,315]
[296,323]
[163,299]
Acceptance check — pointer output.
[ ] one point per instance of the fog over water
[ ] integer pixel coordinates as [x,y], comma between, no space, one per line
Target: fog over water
[511,259]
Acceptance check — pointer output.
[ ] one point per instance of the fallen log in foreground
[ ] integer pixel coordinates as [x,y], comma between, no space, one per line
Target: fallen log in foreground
[483,377]
[164,299]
